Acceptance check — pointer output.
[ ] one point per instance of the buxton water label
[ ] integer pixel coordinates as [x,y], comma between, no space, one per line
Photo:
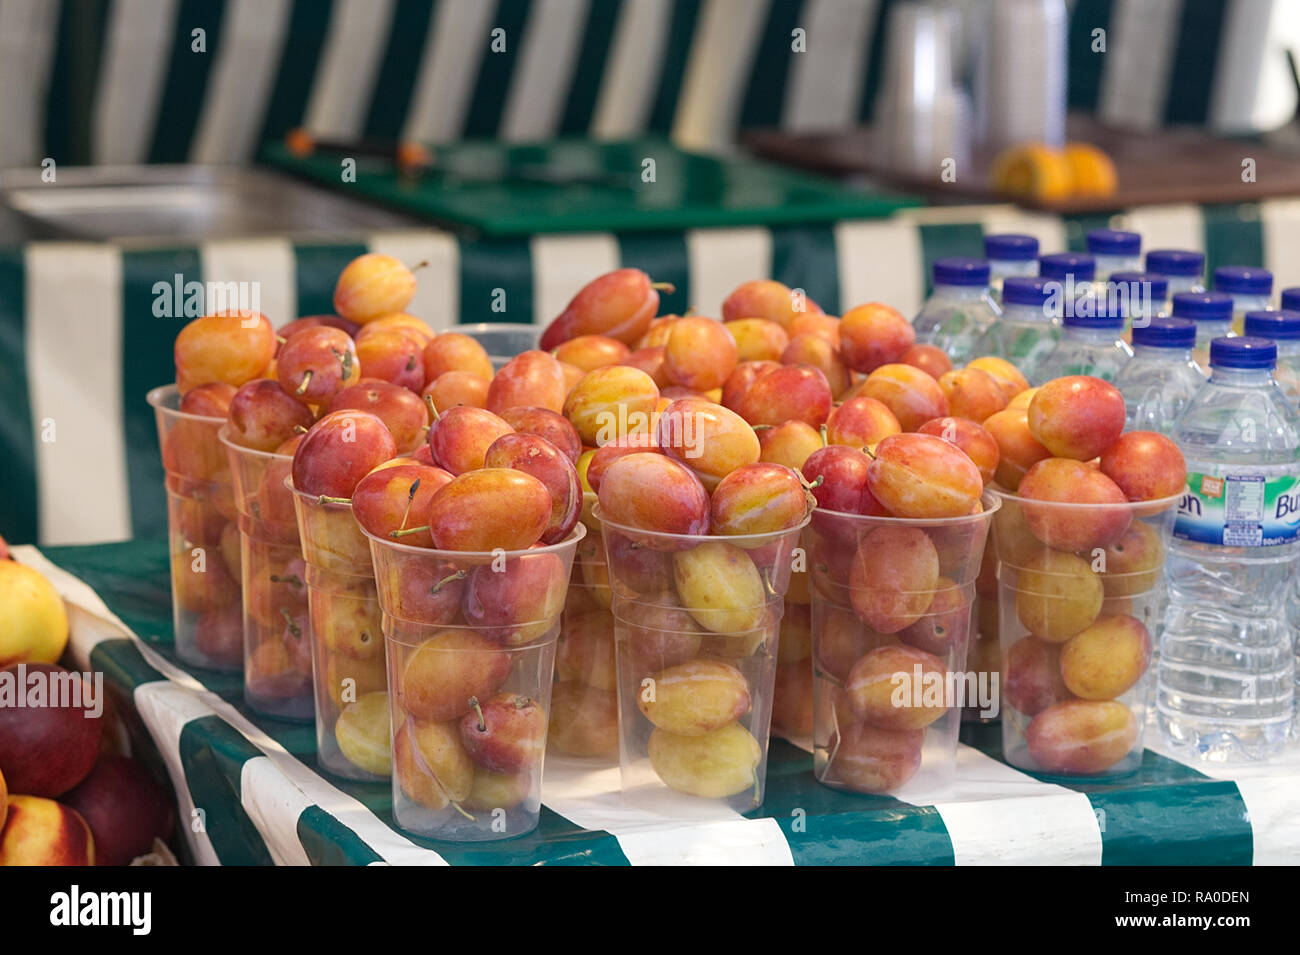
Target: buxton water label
[1240,510]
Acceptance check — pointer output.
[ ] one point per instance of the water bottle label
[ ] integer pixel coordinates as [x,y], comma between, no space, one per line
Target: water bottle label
[1240,510]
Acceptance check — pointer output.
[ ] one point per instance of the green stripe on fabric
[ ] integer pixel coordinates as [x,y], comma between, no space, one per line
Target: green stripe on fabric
[398,69]
[212,755]
[187,80]
[303,39]
[804,257]
[1196,54]
[1234,235]
[496,281]
[328,842]
[939,241]
[18,523]
[765,92]
[662,256]
[122,663]
[676,50]
[826,826]
[74,74]
[146,363]
[589,71]
[1084,82]
[495,70]
[1077,228]
[875,66]
[317,269]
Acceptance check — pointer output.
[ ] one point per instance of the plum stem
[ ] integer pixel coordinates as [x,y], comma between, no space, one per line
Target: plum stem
[293,627]
[813,485]
[459,575]
[868,452]
[668,287]
[762,427]
[821,429]
[423,264]
[293,580]
[306,380]
[433,409]
[326,499]
[410,361]
[280,339]
[410,498]
[474,705]
[299,429]
[408,530]
[345,363]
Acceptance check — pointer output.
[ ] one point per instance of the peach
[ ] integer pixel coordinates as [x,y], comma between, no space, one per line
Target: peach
[1105,660]
[931,359]
[792,699]
[590,352]
[720,587]
[789,444]
[1018,450]
[973,439]
[610,403]
[531,379]
[814,350]
[446,670]
[758,339]
[759,499]
[454,351]
[699,354]
[861,423]
[1095,512]
[881,688]
[431,763]
[1076,416]
[1006,374]
[1081,736]
[708,438]
[1033,676]
[972,394]
[873,335]
[695,698]
[1145,465]
[488,509]
[919,475]
[1057,595]
[786,393]
[653,492]
[912,395]
[873,760]
[41,832]
[893,577]
[765,298]
[584,721]
[946,624]
[718,764]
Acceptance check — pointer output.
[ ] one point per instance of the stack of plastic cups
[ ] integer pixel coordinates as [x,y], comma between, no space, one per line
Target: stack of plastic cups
[1010,254]
[1081,590]
[1251,290]
[893,610]
[350,680]
[202,536]
[1212,313]
[1181,267]
[696,624]
[470,639]
[277,628]
[1114,251]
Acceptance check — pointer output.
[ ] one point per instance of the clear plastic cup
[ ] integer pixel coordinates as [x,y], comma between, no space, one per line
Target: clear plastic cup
[502,340]
[792,692]
[350,679]
[696,626]
[893,604]
[277,628]
[984,658]
[470,639]
[202,536]
[1081,594]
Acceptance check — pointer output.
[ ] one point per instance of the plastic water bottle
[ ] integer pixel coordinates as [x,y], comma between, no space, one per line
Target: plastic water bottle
[1225,680]
[1145,293]
[1161,379]
[1290,299]
[1115,251]
[1182,267]
[1283,329]
[1091,342]
[1074,270]
[1010,253]
[1212,313]
[1026,331]
[1251,290]
[958,310]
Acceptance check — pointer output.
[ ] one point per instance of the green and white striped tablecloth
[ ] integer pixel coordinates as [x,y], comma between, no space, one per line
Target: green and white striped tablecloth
[248,791]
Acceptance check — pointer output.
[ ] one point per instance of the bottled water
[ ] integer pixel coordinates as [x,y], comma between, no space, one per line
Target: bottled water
[1026,332]
[1226,671]
[1182,267]
[1091,342]
[958,310]
[1212,313]
[1290,299]
[1074,270]
[1010,253]
[1251,290]
[1161,379]
[1283,329]
[1144,294]
[1115,251]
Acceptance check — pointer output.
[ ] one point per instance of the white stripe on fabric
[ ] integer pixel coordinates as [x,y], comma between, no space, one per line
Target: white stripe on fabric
[563,264]
[880,261]
[437,289]
[535,101]
[997,815]
[713,87]
[137,50]
[264,267]
[448,70]
[28,31]
[252,37]
[1280,223]
[1252,88]
[1138,65]
[632,72]
[74,357]
[825,87]
[271,801]
[721,259]
[1179,226]
[683,833]
[1049,230]
[349,66]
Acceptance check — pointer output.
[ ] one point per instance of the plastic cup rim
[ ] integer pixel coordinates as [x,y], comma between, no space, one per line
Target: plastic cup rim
[738,539]
[991,507]
[572,539]
[1157,505]
[159,396]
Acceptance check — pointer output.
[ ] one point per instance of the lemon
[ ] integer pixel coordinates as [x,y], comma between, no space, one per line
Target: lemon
[35,623]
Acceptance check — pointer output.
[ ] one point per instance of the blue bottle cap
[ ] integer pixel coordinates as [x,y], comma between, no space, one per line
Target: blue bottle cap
[1243,352]
[1290,299]
[1203,306]
[1027,290]
[1159,285]
[1060,264]
[1182,262]
[1010,246]
[1283,326]
[961,271]
[1113,242]
[1106,312]
[1166,333]
[1243,280]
